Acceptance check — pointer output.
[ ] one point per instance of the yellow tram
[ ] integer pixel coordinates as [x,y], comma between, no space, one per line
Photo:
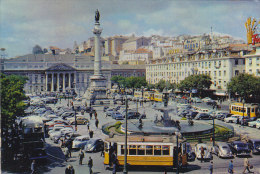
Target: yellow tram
[145,151]
[249,110]
[158,97]
[149,95]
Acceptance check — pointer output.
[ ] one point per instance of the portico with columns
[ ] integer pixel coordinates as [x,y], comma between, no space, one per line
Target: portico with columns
[60,78]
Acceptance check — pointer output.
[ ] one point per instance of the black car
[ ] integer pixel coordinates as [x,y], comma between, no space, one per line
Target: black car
[254,145]
[240,148]
[192,114]
[202,116]
[133,114]
[211,102]
[94,145]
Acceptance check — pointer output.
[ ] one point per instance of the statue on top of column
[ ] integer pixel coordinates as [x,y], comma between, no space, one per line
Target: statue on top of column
[97,16]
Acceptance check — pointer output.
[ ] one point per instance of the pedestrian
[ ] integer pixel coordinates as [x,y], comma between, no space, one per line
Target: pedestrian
[96,122]
[90,115]
[211,167]
[66,153]
[115,166]
[69,170]
[231,167]
[81,156]
[102,152]
[88,125]
[33,167]
[90,165]
[247,165]
[201,153]
[91,134]
[95,115]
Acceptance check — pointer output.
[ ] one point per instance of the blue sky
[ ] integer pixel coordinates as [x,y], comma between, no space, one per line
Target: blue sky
[25,23]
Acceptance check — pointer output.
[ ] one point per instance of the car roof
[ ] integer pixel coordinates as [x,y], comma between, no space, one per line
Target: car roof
[82,136]
[255,140]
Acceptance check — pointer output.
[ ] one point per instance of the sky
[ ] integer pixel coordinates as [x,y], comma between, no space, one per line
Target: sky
[25,23]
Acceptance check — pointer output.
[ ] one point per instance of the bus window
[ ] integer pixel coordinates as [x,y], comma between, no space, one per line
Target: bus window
[149,150]
[132,150]
[157,150]
[165,150]
[140,150]
[122,150]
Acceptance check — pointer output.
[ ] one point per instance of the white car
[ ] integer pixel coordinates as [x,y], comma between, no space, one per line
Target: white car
[207,153]
[222,150]
[232,119]
[253,123]
[257,125]
[206,99]
[80,141]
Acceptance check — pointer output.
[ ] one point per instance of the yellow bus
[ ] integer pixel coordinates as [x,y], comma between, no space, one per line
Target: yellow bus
[149,95]
[145,151]
[158,97]
[250,110]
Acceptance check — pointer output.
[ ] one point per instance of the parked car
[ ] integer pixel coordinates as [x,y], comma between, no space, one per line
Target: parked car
[254,145]
[244,120]
[79,119]
[207,153]
[253,123]
[80,142]
[117,115]
[109,112]
[240,149]
[192,114]
[132,114]
[232,119]
[196,100]
[90,110]
[202,116]
[105,108]
[222,150]
[206,99]
[94,145]
[190,151]
[225,115]
[67,114]
[211,102]
[257,125]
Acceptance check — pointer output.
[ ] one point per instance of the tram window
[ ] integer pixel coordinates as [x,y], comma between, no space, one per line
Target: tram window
[157,150]
[122,150]
[132,150]
[27,130]
[140,150]
[243,110]
[239,109]
[165,150]
[253,110]
[149,150]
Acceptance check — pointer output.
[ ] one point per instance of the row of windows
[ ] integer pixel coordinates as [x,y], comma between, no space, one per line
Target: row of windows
[156,150]
[174,74]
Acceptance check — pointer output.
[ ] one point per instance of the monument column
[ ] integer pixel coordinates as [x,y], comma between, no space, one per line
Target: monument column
[97,64]
[58,82]
[69,80]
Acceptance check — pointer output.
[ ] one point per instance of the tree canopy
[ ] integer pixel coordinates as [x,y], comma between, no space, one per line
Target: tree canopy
[129,82]
[12,96]
[199,82]
[37,50]
[245,86]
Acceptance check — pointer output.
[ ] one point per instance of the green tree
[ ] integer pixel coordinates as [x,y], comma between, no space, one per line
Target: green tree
[246,86]
[12,96]
[200,82]
[160,85]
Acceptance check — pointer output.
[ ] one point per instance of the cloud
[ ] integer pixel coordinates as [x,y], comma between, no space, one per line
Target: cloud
[61,22]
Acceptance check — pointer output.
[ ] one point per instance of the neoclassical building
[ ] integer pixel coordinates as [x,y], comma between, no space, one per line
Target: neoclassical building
[58,73]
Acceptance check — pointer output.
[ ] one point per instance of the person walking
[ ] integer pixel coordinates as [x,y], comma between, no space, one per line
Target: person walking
[66,153]
[91,134]
[81,156]
[90,165]
[69,170]
[96,123]
[115,166]
[231,167]
[95,115]
[211,167]
[201,153]
[33,167]
[88,125]
[90,115]
[247,165]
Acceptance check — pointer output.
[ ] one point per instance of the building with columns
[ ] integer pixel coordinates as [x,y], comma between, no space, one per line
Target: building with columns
[54,73]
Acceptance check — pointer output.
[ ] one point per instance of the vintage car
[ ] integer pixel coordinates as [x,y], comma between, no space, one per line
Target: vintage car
[222,150]
[207,153]
[240,148]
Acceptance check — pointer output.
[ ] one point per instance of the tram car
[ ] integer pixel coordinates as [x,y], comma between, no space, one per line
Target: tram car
[145,151]
[247,110]
[158,97]
[149,95]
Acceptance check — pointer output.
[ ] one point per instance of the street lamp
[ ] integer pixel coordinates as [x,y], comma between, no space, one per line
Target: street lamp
[177,134]
[126,115]
[142,88]
[75,113]
[213,138]
[243,101]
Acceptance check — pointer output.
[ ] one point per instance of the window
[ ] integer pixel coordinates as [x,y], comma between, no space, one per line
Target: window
[236,61]
[122,149]
[132,150]
[140,150]
[219,73]
[165,150]
[252,109]
[157,150]
[236,72]
[36,78]
[225,73]
[149,150]
[209,64]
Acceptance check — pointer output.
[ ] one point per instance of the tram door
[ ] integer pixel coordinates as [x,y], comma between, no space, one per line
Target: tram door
[248,112]
[175,156]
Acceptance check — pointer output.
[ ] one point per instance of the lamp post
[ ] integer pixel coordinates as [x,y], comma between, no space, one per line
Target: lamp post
[243,112]
[142,88]
[75,113]
[165,97]
[177,134]
[125,151]
[213,138]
